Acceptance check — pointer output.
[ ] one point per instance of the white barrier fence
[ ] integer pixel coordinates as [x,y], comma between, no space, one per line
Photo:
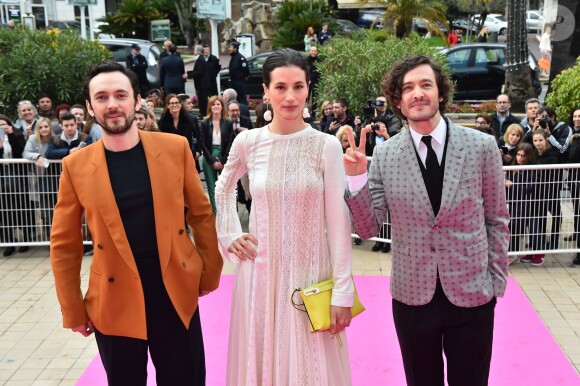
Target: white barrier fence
[543,200]
[28,194]
[544,206]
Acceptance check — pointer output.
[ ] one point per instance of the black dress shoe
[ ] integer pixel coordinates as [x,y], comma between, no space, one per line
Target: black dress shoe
[357,241]
[23,249]
[377,247]
[386,248]
[576,260]
[9,251]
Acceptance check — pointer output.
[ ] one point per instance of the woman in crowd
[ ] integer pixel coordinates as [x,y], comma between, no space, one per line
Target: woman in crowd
[482,36]
[574,177]
[483,124]
[150,104]
[46,174]
[508,144]
[176,120]
[151,124]
[327,116]
[310,39]
[520,186]
[547,193]
[14,207]
[288,246]
[217,135]
[343,138]
[27,115]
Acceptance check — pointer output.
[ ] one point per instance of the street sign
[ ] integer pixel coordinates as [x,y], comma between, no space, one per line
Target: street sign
[160,30]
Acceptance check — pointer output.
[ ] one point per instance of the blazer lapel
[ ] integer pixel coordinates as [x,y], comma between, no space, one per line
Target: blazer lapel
[108,206]
[453,168]
[161,184]
[409,165]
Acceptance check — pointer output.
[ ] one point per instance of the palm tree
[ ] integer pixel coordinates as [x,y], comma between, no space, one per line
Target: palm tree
[137,14]
[400,14]
[518,77]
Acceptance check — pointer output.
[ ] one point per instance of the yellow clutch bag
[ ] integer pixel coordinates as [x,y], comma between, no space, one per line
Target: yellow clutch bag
[316,304]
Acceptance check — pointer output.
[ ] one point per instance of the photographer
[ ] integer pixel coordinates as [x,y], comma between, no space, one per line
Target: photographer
[559,133]
[376,114]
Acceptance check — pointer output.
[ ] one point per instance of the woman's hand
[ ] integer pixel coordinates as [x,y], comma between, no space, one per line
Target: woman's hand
[242,247]
[40,162]
[355,160]
[507,158]
[217,165]
[340,318]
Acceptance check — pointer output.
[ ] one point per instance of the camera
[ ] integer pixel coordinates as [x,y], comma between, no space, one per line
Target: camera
[543,123]
[380,103]
[375,127]
[369,109]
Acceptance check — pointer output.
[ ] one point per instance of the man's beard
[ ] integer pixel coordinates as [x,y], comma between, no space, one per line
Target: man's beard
[117,129]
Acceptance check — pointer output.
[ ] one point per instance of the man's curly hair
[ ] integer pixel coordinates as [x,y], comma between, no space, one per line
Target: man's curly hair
[392,83]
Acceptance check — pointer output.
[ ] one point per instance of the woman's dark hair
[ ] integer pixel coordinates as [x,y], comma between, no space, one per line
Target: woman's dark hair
[260,111]
[544,134]
[571,118]
[5,118]
[286,57]
[392,83]
[485,117]
[528,149]
[110,66]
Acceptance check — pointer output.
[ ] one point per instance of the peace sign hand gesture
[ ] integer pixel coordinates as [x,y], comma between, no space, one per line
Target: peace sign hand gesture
[355,160]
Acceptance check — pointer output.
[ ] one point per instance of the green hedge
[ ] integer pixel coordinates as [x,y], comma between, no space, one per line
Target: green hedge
[564,95]
[34,61]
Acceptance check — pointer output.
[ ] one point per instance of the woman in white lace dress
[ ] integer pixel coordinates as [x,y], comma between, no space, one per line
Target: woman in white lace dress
[299,235]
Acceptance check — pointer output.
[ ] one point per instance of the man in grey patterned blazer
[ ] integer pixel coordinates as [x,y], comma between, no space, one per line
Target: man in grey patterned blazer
[442,185]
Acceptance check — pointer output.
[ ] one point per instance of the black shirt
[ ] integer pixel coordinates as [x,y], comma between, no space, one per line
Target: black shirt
[131,185]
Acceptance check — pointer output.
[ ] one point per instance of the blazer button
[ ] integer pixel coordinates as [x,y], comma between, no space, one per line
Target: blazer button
[100,246]
[111,279]
[181,231]
[183,264]
[436,228]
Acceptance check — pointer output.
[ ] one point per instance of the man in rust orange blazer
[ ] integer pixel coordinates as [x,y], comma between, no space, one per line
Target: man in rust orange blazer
[146,274]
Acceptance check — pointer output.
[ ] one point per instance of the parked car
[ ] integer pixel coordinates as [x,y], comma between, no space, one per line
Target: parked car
[254,89]
[366,17]
[421,27]
[345,27]
[534,21]
[120,48]
[494,23]
[478,70]
[464,25]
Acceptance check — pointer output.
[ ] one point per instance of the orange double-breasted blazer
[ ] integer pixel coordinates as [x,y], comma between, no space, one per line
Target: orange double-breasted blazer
[114,301]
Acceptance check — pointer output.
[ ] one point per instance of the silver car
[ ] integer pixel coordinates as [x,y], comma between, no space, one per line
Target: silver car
[121,48]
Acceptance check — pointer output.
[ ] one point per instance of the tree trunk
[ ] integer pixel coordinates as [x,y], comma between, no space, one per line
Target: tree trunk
[184,10]
[565,45]
[518,77]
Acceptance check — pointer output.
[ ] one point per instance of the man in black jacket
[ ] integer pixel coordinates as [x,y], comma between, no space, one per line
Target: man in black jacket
[239,71]
[172,73]
[201,79]
[138,64]
[240,123]
[214,68]
[313,59]
[70,141]
[502,118]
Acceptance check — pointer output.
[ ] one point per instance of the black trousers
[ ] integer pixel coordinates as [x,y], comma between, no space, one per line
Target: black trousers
[465,335]
[177,353]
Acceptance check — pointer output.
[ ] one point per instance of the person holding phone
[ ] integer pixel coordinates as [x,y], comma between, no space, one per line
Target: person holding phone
[509,142]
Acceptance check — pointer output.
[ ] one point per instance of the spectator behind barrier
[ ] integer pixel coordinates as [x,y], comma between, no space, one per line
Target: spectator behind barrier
[70,140]
[509,142]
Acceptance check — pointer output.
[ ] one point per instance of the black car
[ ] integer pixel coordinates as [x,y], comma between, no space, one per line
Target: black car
[479,70]
[254,89]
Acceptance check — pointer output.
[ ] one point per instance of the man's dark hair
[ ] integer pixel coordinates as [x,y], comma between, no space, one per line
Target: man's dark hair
[233,102]
[508,97]
[68,117]
[285,57]
[392,84]
[5,118]
[42,95]
[342,102]
[172,48]
[548,110]
[105,67]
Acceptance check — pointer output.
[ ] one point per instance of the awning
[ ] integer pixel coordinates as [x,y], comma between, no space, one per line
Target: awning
[349,4]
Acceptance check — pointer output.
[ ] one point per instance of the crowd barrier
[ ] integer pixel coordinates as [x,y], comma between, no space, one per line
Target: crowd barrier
[544,206]
[543,201]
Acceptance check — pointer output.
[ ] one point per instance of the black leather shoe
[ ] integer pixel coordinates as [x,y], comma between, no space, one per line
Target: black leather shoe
[377,247]
[23,249]
[357,241]
[9,251]
[386,248]
[576,260]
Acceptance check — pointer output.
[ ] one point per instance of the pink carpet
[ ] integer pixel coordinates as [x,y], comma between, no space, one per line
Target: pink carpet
[524,351]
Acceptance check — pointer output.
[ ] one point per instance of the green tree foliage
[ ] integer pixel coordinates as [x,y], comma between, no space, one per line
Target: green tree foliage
[55,62]
[131,19]
[564,93]
[293,19]
[354,68]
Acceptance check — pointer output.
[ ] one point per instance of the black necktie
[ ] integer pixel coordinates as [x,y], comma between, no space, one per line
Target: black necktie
[432,165]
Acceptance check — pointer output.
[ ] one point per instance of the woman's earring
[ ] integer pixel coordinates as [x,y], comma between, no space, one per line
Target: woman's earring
[305,113]
[268,114]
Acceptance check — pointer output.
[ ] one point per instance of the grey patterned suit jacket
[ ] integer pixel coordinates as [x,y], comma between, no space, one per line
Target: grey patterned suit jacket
[467,241]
